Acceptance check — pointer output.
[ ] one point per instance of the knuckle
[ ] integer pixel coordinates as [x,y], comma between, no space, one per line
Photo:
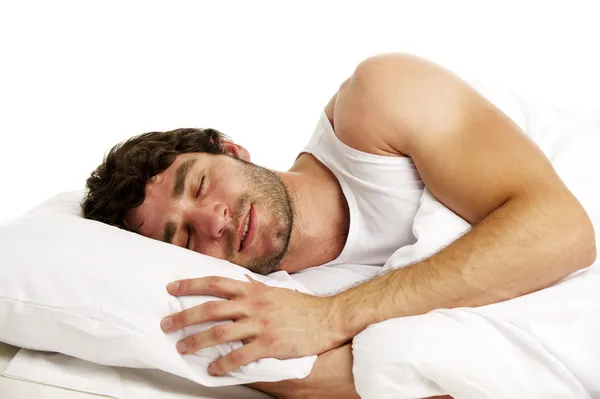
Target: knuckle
[237,359]
[241,289]
[217,367]
[214,282]
[212,308]
[262,304]
[192,344]
[184,286]
[270,339]
[219,332]
[181,319]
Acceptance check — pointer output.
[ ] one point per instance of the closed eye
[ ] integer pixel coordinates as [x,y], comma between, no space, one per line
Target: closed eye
[189,227]
[200,187]
[189,234]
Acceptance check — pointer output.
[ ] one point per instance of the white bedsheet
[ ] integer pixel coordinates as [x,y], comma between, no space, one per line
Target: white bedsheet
[19,389]
[57,370]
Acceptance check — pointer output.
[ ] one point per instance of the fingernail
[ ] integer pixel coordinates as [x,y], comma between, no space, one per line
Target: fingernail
[181,347]
[211,370]
[173,286]
[166,323]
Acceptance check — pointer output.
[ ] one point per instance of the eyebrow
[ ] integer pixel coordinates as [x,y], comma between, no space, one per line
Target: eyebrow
[180,176]
[178,188]
[170,229]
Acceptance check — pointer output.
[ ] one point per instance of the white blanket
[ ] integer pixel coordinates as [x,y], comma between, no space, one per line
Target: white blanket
[542,345]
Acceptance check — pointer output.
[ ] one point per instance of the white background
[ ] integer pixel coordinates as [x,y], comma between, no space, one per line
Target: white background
[78,76]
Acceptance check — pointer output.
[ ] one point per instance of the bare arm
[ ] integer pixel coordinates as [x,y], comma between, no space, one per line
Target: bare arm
[529,230]
[331,378]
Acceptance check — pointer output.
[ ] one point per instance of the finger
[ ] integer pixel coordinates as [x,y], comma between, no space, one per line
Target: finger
[222,287]
[208,311]
[236,359]
[219,334]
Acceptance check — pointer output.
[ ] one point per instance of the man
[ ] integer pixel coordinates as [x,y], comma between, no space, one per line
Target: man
[398,123]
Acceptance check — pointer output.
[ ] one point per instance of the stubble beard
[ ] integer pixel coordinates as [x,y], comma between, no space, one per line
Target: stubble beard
[267,189]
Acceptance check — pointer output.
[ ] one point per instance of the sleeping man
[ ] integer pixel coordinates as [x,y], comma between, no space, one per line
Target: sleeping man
[397,125]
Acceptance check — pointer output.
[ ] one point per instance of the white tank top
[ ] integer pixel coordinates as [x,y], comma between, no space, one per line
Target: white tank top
[382,192]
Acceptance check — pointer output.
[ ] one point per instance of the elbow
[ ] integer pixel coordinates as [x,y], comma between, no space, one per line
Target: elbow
[584,240]
[589,250]
[573,240]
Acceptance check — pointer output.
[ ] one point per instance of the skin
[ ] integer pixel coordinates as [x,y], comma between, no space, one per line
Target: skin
[529,230]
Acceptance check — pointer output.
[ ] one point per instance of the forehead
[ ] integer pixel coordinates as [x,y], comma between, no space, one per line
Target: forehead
[150,217]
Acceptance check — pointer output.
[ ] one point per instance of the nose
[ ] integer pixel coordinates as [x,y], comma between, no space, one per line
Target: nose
[209,220]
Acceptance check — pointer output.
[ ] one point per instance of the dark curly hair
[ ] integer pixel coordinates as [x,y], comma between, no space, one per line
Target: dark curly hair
[119,183]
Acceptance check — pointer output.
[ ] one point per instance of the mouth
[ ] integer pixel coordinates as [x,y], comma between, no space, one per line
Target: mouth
[246,230]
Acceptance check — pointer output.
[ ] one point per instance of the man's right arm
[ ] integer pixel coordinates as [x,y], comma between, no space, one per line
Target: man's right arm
[330,378]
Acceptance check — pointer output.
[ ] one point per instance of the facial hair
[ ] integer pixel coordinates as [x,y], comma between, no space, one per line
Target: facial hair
[266,188]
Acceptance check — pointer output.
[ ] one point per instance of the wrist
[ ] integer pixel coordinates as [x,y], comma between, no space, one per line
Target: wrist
[348,317]
[332,318]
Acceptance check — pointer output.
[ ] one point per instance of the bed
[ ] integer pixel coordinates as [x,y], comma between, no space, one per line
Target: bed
[43,375]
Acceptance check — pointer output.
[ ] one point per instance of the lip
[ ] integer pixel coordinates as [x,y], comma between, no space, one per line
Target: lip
[241,228]
[251,229]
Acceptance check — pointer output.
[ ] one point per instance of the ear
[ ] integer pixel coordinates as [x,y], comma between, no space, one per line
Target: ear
[235,150]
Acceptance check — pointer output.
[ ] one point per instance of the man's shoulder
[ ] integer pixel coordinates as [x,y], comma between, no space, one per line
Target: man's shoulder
[350,125]
[390,99]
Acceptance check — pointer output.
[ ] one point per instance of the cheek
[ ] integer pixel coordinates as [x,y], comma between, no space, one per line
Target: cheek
[231,185]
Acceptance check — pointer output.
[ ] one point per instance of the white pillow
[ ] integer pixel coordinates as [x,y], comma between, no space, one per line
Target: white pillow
[96,292]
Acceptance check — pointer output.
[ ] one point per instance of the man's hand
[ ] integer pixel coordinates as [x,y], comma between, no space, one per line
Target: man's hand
[271,322]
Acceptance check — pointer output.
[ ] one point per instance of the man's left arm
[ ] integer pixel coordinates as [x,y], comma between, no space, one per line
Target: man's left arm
[528,231]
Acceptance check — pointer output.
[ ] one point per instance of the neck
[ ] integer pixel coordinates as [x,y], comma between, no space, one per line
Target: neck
[320,215]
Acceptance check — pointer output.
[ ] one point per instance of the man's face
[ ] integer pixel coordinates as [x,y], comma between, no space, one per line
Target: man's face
[220,206]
